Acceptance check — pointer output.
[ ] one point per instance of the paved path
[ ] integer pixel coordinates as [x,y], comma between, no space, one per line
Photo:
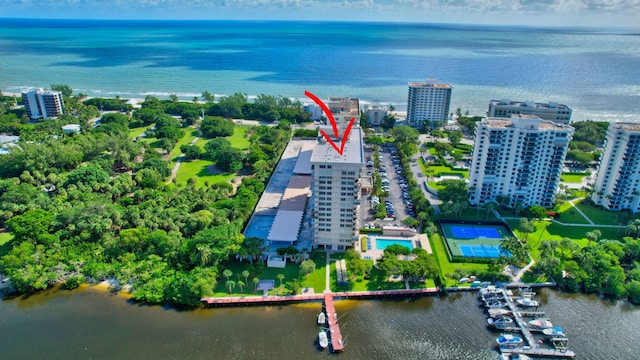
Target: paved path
[580,211]
[327,286]
[179,161]
[420,179]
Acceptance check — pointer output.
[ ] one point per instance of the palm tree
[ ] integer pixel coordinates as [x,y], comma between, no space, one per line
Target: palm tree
[280,277]
[491,206]
[203,254]
[593,236]
[227,273]
[245,274]
[195,99]
[255,284]
[230,284]
[240,285]
[208,97]
[173,98]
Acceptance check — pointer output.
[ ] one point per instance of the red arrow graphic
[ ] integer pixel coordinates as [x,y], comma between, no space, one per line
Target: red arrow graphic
[327,112]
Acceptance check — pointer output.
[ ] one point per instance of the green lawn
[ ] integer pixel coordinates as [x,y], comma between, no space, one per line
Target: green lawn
[572,178]
[439,169]
[546,230]
[569,215]
[188,137]
[198,169]
[447,267]
[239,138]
[134,133]
[597,215]
[5,246]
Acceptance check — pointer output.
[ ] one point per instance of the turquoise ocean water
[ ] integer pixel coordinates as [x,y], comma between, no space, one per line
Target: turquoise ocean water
[595,72]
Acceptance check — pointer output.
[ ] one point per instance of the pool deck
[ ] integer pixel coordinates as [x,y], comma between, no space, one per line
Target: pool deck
[418,241]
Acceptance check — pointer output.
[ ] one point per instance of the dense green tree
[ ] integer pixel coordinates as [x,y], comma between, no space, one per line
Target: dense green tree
[453,190]
[215,126]
[65,89]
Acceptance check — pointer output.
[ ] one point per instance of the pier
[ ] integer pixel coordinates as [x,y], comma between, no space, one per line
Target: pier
[560,350]
[335,337]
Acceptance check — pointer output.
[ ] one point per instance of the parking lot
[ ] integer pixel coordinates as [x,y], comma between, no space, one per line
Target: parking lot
[398,205]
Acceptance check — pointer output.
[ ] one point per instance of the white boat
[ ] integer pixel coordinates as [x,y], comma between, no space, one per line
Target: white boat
[323,339]
[509,341]
[527,302]
[499,312]
[499,322]
[489,290]
[554,332]
[540,324]
[495,304]
[322,318]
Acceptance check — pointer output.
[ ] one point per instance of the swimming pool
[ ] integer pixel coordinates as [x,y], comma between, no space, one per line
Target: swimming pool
[382,244]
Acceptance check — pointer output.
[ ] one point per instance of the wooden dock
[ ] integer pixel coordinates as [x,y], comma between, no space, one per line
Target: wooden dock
[335,337]
[533,348]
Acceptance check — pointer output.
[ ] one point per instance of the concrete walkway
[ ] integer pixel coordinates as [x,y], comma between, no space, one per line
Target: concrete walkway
[174,172]
[327,286]
[580,211]
[420,179]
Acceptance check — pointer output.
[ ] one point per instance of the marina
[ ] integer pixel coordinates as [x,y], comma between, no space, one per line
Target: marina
[511,346]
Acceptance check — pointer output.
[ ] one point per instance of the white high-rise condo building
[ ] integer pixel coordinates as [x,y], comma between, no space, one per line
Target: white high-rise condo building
[428,101]
[43,104]
[546,111]
[617,185]
[335,189]
[519,159]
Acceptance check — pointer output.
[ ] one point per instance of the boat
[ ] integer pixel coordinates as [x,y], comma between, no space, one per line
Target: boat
[495,304]
[540,324]
[497,312]
[527,302]
[554,332]
[499,322]
[490,297]
[489,290]
[323,339]
[509,341]
[322,318]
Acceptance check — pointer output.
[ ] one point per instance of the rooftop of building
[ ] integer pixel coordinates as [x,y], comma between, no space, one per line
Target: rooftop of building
[430,84]
[352,153]
[549,105]
[344,105]
[42,91]
[524,120]
[631,127]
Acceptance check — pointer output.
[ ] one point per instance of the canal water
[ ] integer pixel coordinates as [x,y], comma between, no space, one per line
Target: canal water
[93,324]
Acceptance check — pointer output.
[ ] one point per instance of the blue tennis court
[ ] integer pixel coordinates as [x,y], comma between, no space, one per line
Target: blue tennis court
[480,251]
[471,232]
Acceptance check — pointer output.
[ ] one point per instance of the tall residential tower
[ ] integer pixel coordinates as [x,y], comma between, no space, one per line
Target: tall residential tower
[617,185]
[43,104]
[428,101]
[336,190]
[520,159]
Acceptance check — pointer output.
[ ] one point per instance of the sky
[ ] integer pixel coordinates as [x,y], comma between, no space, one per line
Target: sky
[590,13]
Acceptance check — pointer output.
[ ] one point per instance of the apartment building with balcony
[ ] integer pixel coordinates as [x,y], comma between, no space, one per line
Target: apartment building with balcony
[546,111]
[43,104]
[617,185]
[335,188]
[520,158]
[428,101]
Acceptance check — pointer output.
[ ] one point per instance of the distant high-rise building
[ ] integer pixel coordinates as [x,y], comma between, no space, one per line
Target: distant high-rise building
[546,111]
[43,104]
[428,101]
[519,159]
[335,188]
[617,185]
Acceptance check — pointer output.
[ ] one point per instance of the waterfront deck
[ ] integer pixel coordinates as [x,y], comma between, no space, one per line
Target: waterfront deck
[275,299]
